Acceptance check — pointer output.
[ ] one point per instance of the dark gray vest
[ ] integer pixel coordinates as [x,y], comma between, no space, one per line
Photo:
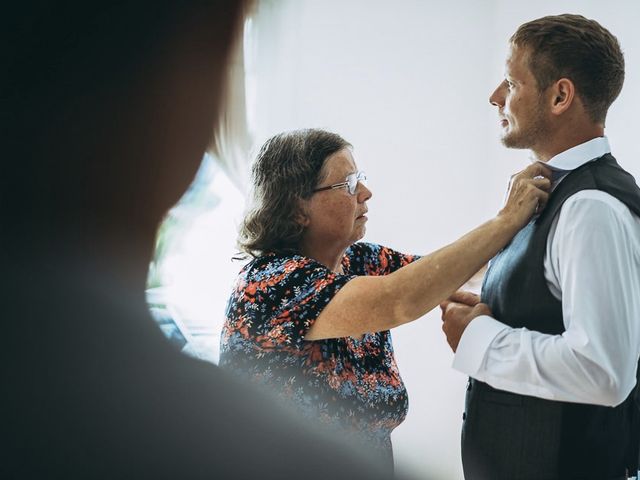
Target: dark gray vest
[509,436]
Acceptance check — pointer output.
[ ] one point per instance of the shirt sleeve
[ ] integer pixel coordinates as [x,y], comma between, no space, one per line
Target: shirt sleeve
[294,295]
[594,257]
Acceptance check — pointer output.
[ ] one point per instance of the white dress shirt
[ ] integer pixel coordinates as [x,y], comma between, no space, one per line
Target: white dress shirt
[592,265]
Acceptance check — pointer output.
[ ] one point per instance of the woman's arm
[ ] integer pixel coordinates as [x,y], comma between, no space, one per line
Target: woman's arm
[371,304]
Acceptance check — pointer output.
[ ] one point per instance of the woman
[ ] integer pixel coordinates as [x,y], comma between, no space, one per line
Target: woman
[310,314]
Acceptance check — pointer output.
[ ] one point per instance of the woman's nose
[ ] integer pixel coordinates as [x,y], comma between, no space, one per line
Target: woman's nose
[363,192]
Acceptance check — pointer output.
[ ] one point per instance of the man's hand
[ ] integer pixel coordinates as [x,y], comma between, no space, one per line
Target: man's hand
[457,313]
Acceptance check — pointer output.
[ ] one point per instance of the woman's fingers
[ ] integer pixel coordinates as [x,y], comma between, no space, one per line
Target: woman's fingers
[536,169]
[528,193]
[542,183]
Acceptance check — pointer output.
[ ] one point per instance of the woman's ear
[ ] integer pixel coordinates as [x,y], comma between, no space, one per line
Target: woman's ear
[302,219]
[301,216]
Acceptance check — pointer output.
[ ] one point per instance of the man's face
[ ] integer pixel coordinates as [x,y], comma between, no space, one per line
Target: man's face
[524,118]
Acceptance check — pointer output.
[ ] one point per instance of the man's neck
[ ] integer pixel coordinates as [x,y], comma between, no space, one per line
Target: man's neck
[565,140]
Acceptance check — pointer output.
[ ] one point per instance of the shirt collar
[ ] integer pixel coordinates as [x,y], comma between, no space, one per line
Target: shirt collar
[570,159]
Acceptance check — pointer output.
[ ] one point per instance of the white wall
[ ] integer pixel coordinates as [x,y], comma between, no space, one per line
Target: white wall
[407,83]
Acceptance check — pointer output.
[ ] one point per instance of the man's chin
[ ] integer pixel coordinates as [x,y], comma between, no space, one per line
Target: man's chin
[512,141]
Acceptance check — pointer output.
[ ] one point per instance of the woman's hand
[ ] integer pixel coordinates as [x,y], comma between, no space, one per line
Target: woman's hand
[528,194]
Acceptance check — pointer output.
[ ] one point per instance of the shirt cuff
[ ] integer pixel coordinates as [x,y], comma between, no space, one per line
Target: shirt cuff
[475,342]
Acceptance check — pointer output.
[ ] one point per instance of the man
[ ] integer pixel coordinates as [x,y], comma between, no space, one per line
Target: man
[553,351]
[106,112]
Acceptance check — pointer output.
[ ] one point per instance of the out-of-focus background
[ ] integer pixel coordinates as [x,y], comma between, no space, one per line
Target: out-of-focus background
[407,83]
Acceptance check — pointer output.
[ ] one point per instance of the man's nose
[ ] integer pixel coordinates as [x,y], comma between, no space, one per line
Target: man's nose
[497,97]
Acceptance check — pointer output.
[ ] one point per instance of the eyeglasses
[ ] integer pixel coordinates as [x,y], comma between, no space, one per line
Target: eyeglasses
[351,183]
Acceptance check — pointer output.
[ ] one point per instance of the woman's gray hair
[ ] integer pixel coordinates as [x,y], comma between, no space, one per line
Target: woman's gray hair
[287,169]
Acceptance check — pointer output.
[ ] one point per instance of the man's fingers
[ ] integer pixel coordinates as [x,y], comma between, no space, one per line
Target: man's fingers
[449,309]
[461,301]
[444,305]
[466,297]
[482,309]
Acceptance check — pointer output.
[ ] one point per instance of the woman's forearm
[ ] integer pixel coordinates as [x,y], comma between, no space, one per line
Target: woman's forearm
[371,304]
[422,285]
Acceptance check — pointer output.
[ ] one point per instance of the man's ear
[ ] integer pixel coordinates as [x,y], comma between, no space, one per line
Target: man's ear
[562,94]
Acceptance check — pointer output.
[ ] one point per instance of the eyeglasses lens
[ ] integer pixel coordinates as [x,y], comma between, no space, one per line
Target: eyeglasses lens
[353,179]
[352,183]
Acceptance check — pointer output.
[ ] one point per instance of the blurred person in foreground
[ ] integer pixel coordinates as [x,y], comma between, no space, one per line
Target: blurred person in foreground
[310,314]
[106,112]
[553,350]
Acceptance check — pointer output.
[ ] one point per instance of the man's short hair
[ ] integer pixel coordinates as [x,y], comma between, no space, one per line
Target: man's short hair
[577,48]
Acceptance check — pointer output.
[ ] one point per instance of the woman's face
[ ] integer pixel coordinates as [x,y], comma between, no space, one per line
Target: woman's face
[335,219]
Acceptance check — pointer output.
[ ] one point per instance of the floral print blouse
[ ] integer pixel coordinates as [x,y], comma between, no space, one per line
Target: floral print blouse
[348,383]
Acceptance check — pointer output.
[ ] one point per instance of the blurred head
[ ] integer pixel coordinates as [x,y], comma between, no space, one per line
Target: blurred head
[286,208]
[109,107]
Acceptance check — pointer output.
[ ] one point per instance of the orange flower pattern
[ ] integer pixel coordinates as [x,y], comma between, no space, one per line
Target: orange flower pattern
[346,383]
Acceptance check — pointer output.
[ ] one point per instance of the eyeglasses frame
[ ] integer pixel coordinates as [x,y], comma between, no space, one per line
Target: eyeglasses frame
[360,177]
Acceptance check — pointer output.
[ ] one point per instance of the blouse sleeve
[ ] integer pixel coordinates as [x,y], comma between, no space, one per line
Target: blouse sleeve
[373,259]
[284,303]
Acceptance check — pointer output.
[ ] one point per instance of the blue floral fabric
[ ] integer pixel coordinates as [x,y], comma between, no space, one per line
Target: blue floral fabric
[347,383]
